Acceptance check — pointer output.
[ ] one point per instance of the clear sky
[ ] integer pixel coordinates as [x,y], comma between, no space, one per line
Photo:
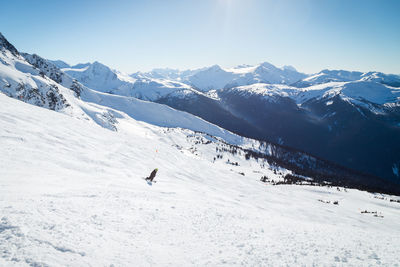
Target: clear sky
[140,35]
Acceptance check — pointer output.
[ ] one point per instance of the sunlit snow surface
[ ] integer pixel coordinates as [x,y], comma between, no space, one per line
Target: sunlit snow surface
[71,194]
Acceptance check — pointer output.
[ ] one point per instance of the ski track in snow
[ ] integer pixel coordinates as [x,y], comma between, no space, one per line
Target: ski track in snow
[71,194]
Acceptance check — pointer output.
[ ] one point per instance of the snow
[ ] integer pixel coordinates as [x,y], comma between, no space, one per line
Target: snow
[356,92]
[371,91]
[74,69]
[157,84]
[211,78]
[267,90]
[264,79]
[242,69]
[60,64]
[101,108]
[71,193]
[100,77]
[381,77]
[216,78]
[157,114]
[326,76]
[104,79]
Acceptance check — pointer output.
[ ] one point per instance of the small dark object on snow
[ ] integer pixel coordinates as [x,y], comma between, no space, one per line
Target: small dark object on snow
[152,175]
[263,179]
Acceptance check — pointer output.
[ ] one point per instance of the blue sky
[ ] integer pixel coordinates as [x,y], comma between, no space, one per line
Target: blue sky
[140,35]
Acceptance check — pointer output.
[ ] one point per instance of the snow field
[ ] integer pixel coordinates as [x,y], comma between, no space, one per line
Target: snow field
[71,194]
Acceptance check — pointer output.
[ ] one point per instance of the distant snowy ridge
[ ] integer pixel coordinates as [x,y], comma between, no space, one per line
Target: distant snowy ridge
[326,76]
[356,92]
[104,79]
[216,78]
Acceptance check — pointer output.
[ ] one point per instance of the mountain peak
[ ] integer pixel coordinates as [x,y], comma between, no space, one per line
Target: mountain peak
[6,45]
[267,65]
[99,66]
[215,67]
[289,67]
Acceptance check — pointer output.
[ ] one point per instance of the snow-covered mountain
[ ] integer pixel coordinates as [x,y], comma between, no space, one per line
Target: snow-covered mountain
[216,78]
[359,92]
[19,79]
[104,79]
[60,64]
[170,74]
[336,120]
[339,121]
[100,77]
[249,101]
[309,122]
[326,76]
[72,192]
[37,81]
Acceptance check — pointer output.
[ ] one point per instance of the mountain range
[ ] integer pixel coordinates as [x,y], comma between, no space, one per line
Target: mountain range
[77,143]
[348,118]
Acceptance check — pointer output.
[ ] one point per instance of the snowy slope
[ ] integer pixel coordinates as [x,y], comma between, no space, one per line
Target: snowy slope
[152,89]
[104,79]
[60,64]
[313,117]
[326,76]
[71,193]
[105,108]
[211,78]
[389,79]
[100,77]
[35,80]
[19,79]
[108,110]
[157,114]
[42,84]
